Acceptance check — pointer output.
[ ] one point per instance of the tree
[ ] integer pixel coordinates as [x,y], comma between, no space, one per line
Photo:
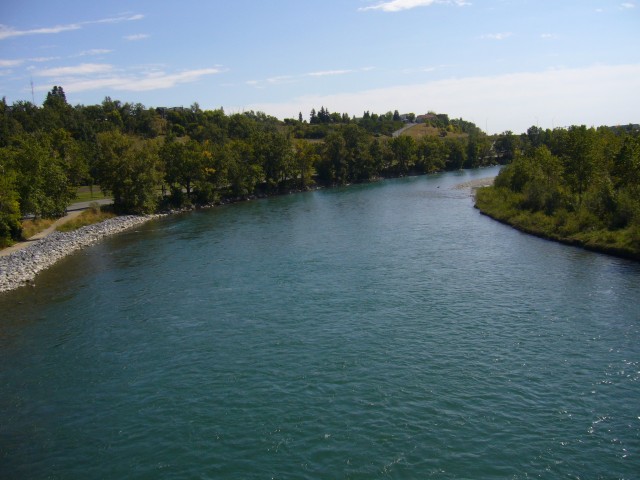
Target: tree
[305,157]
[184,164]
[41,182]
[274,153]
[241,171]
[431,153]
[579,158]
[359,162]
[404,150]
[129,170]
[456,153]
[10,226]
[506,146]
[332,167]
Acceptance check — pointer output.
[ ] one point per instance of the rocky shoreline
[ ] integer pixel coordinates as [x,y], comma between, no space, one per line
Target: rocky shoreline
[21,267]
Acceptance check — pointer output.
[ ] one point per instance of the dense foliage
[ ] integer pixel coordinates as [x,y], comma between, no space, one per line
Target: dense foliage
[579,185]
[150,158]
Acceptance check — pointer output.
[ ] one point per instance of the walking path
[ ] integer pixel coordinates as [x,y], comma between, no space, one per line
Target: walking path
[74,210]
[406,127]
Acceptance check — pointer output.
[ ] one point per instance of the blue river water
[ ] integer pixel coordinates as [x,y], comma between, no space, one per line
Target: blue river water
[386,330]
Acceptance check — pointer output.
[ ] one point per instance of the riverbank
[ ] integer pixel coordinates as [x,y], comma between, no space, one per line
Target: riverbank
[621,243]
[20,267]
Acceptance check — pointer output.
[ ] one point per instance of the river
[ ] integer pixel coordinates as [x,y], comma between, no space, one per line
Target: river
[386,330]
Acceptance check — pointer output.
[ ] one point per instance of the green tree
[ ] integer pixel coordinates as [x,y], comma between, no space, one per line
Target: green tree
[506,147]
[129,169]
[274,153]
[332,167]
[41,181]
[432,154]
[456,153]
[10,226]
[184,164]
[404,150]
[580,158]
[305,157]
[241,170]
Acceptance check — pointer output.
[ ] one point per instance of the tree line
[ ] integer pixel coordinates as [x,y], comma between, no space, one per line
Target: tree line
[158,158]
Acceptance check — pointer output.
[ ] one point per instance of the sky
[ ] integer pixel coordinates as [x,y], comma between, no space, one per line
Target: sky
[502,64]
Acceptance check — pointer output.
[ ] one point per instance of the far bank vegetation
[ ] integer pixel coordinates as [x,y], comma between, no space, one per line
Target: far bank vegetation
[577,185]
[150,159]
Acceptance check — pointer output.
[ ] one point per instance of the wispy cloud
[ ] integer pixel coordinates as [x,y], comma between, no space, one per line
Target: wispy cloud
[136,37]
[83,69]
[425,69]
[549,36]
[94,51]
[123,18]
[92,76]
[628,5]
[496,36]
[43,59]
[399,5]
[9,32]
[288,79]
[326,73]
[280,79]
[10,63]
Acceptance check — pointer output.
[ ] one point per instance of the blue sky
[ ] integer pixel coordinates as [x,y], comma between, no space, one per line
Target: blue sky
[503,64]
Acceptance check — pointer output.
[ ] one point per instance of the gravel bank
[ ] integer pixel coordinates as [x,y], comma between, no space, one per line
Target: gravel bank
[21,267]
[477,183]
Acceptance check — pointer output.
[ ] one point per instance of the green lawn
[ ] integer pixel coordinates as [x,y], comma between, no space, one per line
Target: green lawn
[86,194]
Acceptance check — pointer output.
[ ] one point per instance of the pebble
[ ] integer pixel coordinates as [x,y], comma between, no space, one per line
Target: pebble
[21,267]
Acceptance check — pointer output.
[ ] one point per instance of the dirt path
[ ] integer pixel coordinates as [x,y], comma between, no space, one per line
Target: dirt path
[42,234]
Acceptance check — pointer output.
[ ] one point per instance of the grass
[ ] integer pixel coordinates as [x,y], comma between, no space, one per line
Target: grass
[84,194]
[93,215]
[32,227]
[424,130]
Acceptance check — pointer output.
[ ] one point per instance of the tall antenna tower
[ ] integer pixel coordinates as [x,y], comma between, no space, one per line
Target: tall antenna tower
[33,97]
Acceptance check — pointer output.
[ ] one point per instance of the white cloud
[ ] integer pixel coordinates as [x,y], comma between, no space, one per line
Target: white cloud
[628,5]
[549,36]
[496,36]
[136,37]
[329,73]
[280,79]
[288,79]
[101,76]
[123,18]
[399,5]
[9,32]
[43,59]
[10,63]
[94,51]
[597,95]
[83,69]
